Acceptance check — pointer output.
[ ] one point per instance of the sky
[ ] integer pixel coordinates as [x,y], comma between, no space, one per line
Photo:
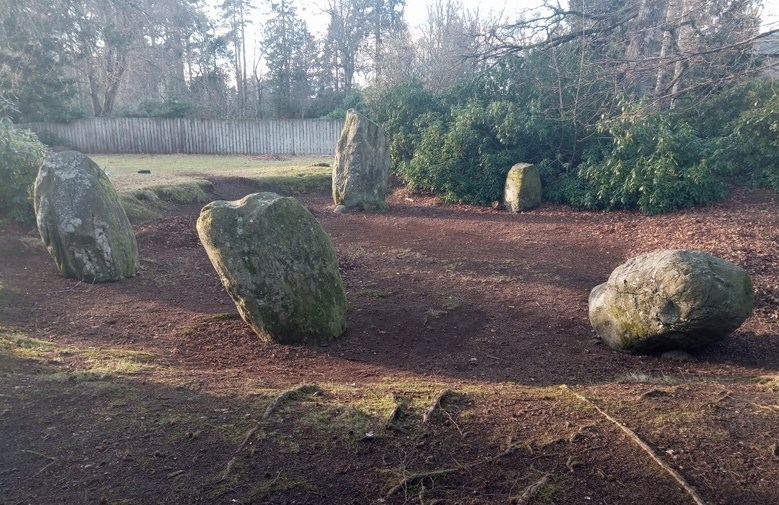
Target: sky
[770,15]
[416,11]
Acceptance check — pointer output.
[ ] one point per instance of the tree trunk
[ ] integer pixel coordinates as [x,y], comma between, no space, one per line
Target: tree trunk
[94,91]
[113,87]
[646,42]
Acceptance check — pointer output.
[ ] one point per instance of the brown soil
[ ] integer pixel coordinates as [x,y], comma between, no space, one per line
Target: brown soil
[488,304]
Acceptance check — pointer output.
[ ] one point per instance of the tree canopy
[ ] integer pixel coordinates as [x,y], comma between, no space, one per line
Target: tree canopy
[622,103]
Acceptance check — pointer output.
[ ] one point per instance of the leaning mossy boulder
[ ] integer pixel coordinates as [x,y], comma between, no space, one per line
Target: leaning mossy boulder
[81,220]
[523,188]
[668,300]
[279,267]
[361,168]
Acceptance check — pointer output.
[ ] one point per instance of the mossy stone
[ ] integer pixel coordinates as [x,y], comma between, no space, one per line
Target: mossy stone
[278,265]
[81,220]
[669,300]
[523,188]
[361,167]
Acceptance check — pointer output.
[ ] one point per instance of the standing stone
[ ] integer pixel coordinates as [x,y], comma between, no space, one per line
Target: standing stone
[361,168]
[81,221]
[669,300]
[523,188]
[279,267]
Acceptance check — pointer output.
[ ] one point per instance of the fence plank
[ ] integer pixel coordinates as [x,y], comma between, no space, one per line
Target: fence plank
[195,136]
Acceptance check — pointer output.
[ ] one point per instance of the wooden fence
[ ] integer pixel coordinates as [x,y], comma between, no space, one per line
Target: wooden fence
[195,136]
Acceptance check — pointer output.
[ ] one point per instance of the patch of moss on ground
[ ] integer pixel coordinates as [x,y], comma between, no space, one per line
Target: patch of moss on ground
[294,183]
[138,210]
[347,425]
[147,203]
[84,364]
[374,293]
[22,346]
[224,316]
[196,191]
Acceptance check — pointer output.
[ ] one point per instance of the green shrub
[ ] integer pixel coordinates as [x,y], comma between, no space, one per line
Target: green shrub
[50,139]
[461,143]
[21,155]
[467,161]
[749,146]
[337,104]
[655,163]
[404,112]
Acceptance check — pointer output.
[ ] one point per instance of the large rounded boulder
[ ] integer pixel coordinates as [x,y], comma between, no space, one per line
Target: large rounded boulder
[81,221]
[668,300]
[361,167]
[279,267]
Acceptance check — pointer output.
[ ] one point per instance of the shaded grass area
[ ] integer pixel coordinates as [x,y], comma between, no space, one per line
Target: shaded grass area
[76,363]
[86,424]
[184,179]
[116,426]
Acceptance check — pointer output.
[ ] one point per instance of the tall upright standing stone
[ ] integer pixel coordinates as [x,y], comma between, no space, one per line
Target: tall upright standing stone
[361,168]
[81,221]
[523,188]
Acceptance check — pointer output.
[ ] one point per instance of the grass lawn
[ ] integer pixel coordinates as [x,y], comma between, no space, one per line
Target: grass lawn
[175,169]
[184,178]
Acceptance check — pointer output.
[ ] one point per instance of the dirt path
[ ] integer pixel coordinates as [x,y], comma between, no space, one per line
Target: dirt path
[150,385]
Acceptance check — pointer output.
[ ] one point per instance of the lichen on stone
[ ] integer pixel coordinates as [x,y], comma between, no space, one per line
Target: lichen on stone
[278,265]
[361,167]
[522,190]
[674,299]
[81,220]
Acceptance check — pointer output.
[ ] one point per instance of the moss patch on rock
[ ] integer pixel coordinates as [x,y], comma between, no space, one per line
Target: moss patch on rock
[81,220]
[523,188]
[669,300]
[278,265]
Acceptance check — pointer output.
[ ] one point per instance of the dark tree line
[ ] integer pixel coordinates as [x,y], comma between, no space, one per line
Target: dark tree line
[649,104]
[168,57]
[258,58]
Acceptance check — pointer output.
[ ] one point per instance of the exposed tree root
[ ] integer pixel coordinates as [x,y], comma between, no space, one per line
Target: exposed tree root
[412,479]
[580,433]
[451,420]
[229,465]
[51,462]
[391,423]
[529,491]
[512,447]
[632,435]
[290,394]
[419,478]
[437,401]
